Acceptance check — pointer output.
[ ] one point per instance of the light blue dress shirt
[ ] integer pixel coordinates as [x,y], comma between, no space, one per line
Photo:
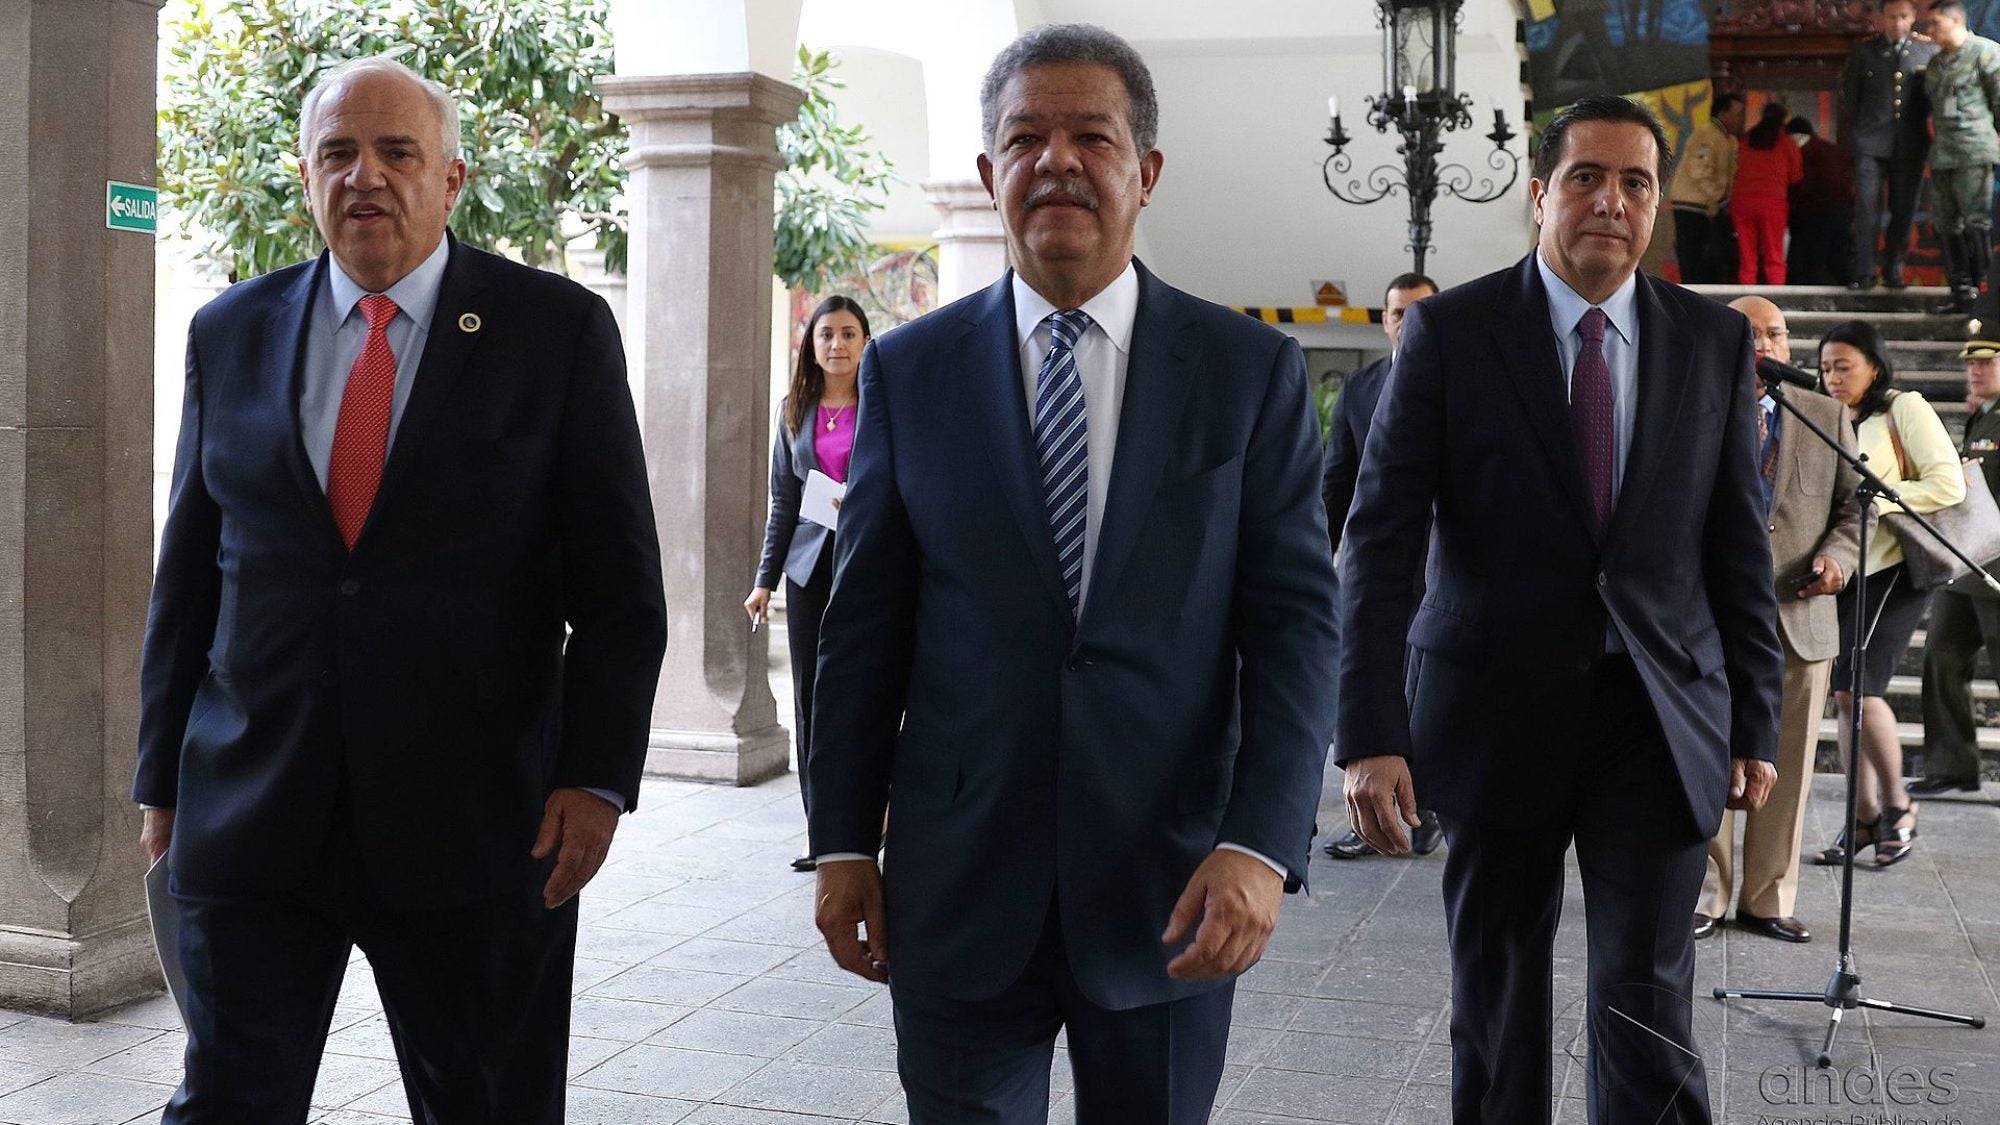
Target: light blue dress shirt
[1621,354]
[334,339]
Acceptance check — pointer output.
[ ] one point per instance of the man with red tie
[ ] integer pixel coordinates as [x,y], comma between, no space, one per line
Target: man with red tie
[404,637]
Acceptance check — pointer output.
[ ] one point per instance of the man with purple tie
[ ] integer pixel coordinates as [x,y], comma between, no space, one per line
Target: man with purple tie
[1594,659]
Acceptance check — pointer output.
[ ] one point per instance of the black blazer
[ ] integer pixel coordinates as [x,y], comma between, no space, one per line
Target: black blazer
[1346,438]
[1036,759]
[791,545]
[1520,588]
[420,686]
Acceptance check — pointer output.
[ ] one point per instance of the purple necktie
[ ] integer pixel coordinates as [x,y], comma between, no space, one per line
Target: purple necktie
[1590,414]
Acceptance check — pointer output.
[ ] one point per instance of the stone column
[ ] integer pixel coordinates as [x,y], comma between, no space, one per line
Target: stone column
[972,249]
[703,157]
[76,439]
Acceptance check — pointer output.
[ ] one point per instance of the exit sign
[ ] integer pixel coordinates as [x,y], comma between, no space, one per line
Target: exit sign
[131,207]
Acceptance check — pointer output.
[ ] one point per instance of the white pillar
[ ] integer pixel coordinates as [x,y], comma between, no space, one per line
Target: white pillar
[972,247]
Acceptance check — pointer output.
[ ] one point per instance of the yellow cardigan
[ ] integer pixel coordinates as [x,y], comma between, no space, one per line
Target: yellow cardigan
[1939,481]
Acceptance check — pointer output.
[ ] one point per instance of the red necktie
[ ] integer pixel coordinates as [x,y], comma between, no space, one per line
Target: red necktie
[1590,413]
[361,437]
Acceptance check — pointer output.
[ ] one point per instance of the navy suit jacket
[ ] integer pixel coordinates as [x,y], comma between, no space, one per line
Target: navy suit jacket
[421,685]
[792,545]
[1029,760]
[1346,438]
[1520,587]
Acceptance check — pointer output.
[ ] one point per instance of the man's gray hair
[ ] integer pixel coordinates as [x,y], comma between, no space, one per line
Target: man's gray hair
[1073,43]
[441,99]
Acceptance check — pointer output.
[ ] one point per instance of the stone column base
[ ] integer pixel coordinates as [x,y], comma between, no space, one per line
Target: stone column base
[68,977]
[972,247]
[733,759]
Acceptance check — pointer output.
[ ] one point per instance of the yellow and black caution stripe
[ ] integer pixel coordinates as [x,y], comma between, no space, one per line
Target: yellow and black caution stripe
[1312,314]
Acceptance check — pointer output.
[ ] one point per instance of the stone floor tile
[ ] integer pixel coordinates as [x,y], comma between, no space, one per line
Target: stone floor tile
[1363,1018]
[710,955]
[612,1107]
[629,1021]
[801,1087]
[47,1042]
[160,1059]
[856,1045]
[603,942]
[1342,1054]
[14,1074]
[368,1039]
[655,984]
[82,1099]
[356,1117]
[158,1013]
[585,1052]
[343,1078]
[671,1072]
[737,1033]
[802,999]
[680,919]
[1322,1097]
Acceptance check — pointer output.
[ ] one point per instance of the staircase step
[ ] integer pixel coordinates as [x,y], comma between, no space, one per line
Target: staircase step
[1808,325]
[1834,298]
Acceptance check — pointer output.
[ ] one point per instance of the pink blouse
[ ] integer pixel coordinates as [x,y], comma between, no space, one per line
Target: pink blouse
[833,440]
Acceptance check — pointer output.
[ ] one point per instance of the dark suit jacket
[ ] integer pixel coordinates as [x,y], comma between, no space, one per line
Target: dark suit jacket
[420,686]
[1872,84]
[791,545]
[1345,440]
[1031,759]
[1520,589]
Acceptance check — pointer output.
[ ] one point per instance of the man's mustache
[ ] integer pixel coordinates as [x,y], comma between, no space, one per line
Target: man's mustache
[1063,191]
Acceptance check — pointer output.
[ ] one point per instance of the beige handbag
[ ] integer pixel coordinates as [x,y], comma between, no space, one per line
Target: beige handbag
[1972,524]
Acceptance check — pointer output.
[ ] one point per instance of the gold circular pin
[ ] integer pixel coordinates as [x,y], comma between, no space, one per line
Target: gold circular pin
[469,322]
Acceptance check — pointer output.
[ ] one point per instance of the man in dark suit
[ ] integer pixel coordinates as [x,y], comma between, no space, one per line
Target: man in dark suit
[1080,625]
[1594,660]
[1888,130]
[404,469]
[1345,440]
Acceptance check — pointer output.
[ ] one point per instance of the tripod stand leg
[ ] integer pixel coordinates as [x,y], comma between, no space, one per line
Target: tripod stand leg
[1826,1049]
[1927,1013]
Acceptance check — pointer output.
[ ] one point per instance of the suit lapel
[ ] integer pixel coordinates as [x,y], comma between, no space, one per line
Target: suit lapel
[1663,378]
[1791,453]
[448,346]
[1158,374]
[285,357]
[997,404]
[1525,342]
[805,455]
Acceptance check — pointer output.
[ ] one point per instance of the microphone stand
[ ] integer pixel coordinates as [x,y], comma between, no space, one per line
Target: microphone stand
[1843,989]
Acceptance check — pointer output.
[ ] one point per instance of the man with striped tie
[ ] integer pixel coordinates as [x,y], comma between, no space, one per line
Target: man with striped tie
[405,633]
[1078,640]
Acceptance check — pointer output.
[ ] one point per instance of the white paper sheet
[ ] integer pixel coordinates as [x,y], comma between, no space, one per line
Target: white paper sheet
[817,503]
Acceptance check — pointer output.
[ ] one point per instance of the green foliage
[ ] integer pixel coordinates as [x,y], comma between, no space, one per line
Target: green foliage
[543,155]
[830,182]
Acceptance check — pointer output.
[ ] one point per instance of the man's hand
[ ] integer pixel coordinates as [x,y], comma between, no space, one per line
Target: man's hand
[582,823]
[1829,580]
[1236,896]
[1382,802]
[156,831]
[850,895]
[1750,783]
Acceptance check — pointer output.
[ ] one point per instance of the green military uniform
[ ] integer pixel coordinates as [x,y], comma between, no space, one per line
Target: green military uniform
[1963,88]
[1964,618]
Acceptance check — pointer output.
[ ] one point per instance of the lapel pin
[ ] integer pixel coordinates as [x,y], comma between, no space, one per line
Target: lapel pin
[469,322]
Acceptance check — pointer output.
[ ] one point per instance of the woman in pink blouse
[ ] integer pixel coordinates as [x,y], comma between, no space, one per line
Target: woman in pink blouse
[815,430]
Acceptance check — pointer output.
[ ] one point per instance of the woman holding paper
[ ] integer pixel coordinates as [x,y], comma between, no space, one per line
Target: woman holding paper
[809,450]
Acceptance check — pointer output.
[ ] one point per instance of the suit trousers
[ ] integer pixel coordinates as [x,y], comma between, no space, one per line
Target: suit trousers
[1773,834]
[986,1062]
[1642,862]
[477,999]
[1693,230]
[1817,253]
[1960,626]
[1903,176]
[804,606]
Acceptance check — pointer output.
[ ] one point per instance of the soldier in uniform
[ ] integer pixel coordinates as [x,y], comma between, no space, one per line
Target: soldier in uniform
[1881,99]
[1965,616]
[1962,84]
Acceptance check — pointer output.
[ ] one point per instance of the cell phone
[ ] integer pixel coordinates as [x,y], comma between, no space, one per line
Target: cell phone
[1801,581]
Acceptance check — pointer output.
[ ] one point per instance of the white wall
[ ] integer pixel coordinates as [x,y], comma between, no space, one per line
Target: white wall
[885,94]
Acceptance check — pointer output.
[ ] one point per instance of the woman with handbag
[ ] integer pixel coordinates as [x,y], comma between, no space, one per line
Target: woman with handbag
[1907,445]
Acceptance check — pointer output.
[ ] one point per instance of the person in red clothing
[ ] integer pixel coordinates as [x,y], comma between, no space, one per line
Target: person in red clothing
[1767,165]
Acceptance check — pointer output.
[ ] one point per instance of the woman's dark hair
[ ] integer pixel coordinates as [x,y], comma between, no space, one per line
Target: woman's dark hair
[1770,126]
[808,381]
[1862,337]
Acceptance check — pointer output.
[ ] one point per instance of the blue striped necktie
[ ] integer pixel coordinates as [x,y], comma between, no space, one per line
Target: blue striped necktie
[1061,439]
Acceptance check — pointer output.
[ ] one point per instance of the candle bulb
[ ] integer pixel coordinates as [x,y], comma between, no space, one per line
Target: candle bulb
[1333,107]
[1409,95]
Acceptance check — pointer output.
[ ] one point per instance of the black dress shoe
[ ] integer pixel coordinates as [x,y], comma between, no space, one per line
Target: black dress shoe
[1428,835]
[1350,846]
[1784,929]
[1931,786]
[1862,285]
[805,863]
[1703,926]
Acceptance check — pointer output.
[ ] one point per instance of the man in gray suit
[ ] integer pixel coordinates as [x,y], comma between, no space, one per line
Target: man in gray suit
[1815,525]
[1881,99]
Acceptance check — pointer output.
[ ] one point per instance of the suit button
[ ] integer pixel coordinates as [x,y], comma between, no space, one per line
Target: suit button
[1774,529]
[1603,579]
[350,586]
[329,678]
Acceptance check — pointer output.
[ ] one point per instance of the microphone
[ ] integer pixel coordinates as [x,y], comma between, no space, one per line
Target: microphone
[1773,371]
